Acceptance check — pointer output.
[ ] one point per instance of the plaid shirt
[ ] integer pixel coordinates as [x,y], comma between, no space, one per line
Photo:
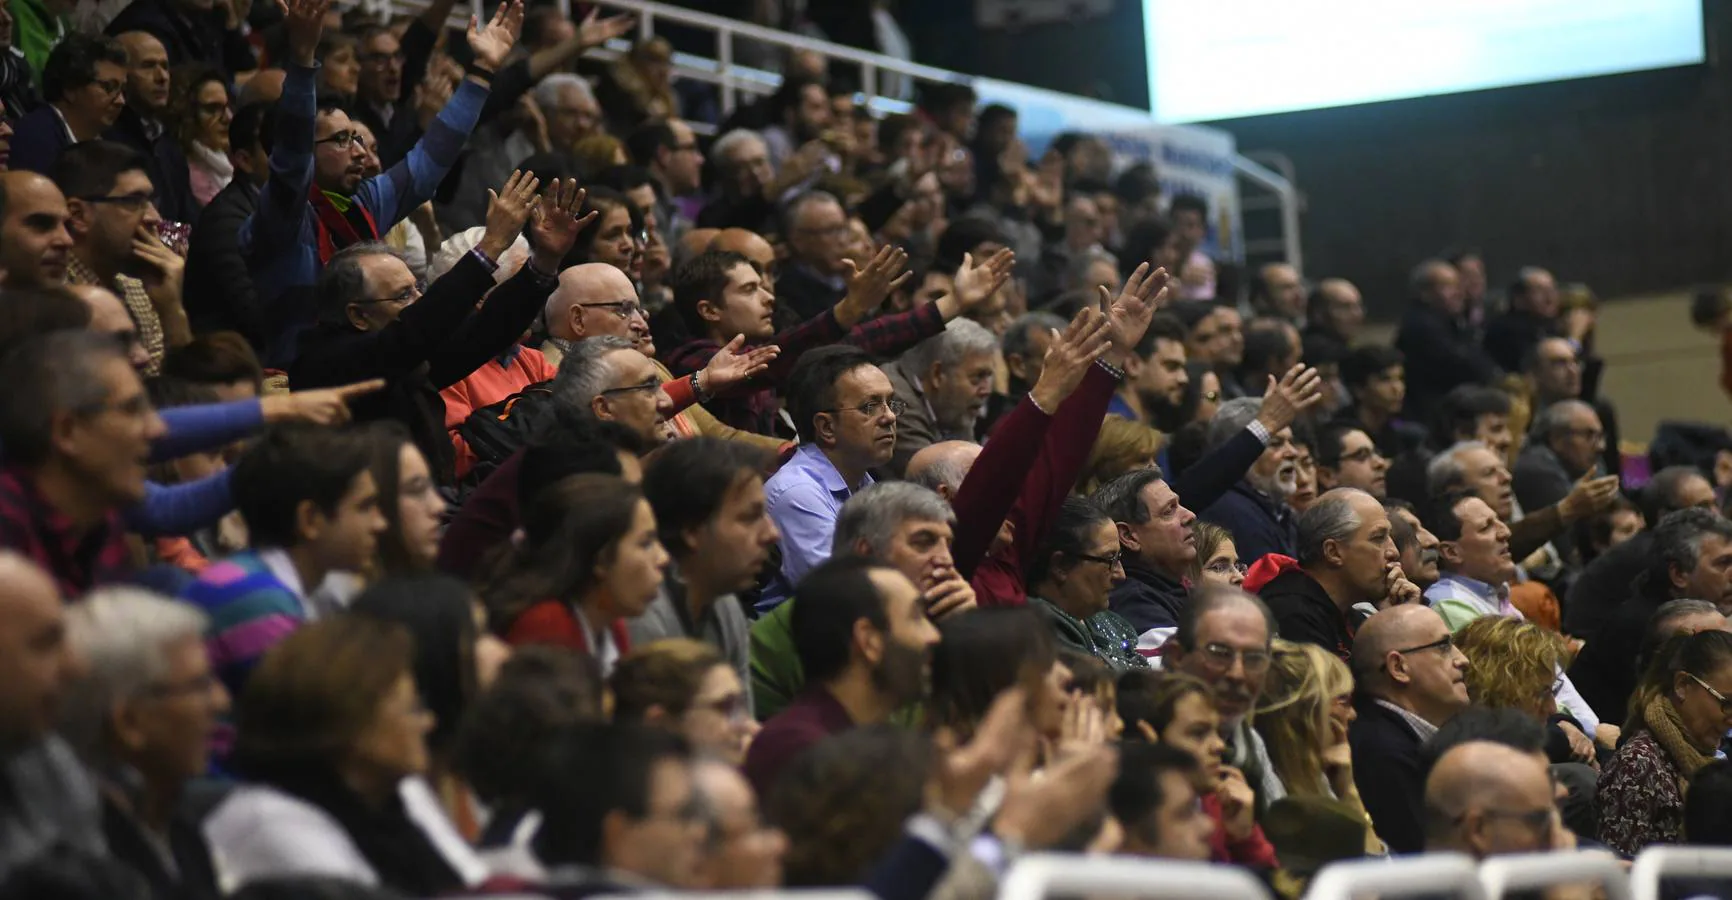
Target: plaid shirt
[753,406]
[76,559]
[138,305]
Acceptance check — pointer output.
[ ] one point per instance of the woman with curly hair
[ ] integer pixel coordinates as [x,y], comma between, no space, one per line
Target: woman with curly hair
[1306,706]
[1123,445]
[1512,664]
[199,117]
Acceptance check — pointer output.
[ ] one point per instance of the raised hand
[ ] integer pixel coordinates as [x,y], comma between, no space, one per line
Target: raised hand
[596,31]
[731,367]
[1084,728]
[1068,358]
[554,224]
[507,211]
[1589,497]
[493,43]
[304,20]
[868,287]
[1297,391]
[326,406]
[1238,804]
[976,283]
[1040,812]
[1131,311]
[959,774]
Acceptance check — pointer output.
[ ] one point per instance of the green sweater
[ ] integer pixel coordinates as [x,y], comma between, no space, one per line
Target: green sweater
[36,32]
[1105,635]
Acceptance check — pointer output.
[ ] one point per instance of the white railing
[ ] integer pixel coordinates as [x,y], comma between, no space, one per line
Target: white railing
[1039,876]
[1410,876]
[1656,863]
[1528,871]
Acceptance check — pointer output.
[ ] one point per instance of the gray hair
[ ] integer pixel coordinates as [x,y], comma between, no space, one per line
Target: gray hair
[547,90]
[1330,518]
[56,373]
[1079,266]
[124,635]
[1122,498]
[343,281]
[1019,337]
[959,339]
[947,472]
[1678,545]
[722,150]
[1233,417]
[1445,472]
[791,212]
[1673,610]
[1555,418]
[583,373]
[873,515]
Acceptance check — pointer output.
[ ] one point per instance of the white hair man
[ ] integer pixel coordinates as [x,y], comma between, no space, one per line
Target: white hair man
[944,381]
[1256,510]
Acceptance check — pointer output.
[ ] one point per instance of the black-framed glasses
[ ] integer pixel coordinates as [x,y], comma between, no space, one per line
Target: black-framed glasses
[871,409]
[1445,644]
[1115,558]
[342,139]
[128,202]
[1362,455]
[1221,657]
[625,309]
[650,385]
[1724,701]
[408,295]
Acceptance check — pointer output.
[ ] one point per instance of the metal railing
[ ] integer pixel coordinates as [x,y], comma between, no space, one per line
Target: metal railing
[1039,876]
[1527,871]
[1413,876]
[1656,863]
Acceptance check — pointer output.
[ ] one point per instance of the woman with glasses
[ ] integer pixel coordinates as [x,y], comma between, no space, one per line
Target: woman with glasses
[687,687]
[1303,714]
[410,500]
[199,114]
[1217,560]
[1679,717]
[455,659]
[331,749]
[588,560]
[1069,577]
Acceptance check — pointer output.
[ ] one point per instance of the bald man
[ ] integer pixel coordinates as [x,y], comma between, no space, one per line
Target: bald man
[1411,680]
[749,244]
[108,316]
[942,466]
[693,242]
[1485,799]
[595,299]
[34,242]
[140,125]
[50,799]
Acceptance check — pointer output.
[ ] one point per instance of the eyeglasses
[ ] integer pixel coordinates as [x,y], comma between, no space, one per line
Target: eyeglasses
[1221,656]
[1111,560]
[110,87]
[342,139]
[1592,434]
[1538,821]
[408,295]
[1362,455]
[1724,701]
[625,309]
[650,385]
[872,409]
[128,202]
[1226,567]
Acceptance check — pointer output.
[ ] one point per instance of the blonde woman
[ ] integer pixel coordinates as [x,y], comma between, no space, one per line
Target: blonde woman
[1303,716]
[1512,664]
[1123,445]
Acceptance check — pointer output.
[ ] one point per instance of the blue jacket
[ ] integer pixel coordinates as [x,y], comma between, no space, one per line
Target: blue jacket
[281,238]
[1260,526]
[37,140]
[1151,601]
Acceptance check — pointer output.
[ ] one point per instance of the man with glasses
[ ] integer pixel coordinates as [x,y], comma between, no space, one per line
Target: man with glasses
[317,200]
[374,321]
[669,151]
[943,382]
[116,243]
[1411,679]
[1347,558]
[816,277]
[1224,639]
[1564,448]
[84,84]
[845,412]
[1486,799]
[1348,458]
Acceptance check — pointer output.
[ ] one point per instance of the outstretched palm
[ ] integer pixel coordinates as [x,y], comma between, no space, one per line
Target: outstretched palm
[555,224]
[493,43]
[1144,293]
[596,31]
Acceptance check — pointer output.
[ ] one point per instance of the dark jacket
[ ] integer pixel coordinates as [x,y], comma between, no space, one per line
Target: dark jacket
[37,140]
[1440,354]
[168,171]
[1304,612]
[1605,671]
[219,291]
[1604,585]
[1105,635]
[1259,525]
[812,717]
[202,38]
[192,876]
[1387,771]
[1151,601]
[1509,336]
[435,343]
[1540,479]
[803,291]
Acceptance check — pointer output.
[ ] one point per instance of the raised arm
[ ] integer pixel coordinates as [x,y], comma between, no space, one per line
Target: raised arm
[274,228]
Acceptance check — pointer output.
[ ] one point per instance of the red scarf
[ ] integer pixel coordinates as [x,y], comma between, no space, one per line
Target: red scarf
[337,230]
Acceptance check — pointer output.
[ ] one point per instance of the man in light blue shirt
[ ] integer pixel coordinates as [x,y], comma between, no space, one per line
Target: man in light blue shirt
[844,410]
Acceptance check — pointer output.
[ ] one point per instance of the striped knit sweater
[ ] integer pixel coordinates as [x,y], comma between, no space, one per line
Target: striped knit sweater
[250,611]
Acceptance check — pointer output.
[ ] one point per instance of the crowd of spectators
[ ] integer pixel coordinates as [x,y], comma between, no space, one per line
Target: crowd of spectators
[431,468]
